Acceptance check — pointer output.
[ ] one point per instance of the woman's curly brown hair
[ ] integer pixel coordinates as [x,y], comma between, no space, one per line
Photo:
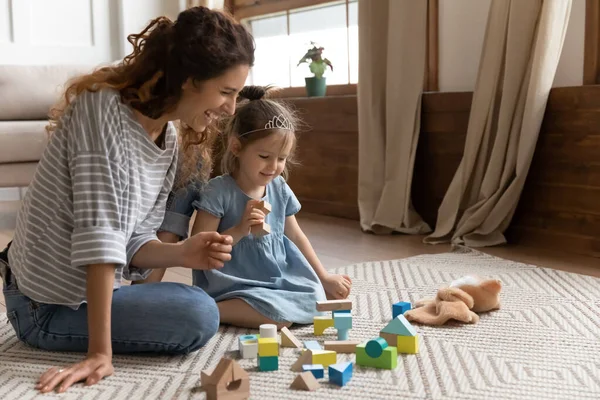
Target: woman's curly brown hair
[200,45]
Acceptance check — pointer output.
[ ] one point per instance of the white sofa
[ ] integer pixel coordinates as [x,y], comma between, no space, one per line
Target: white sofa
[27,92]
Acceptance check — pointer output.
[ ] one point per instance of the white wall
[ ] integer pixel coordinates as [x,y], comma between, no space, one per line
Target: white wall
[462,26]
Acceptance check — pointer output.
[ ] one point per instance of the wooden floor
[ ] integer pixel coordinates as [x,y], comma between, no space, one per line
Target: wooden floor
[340,242]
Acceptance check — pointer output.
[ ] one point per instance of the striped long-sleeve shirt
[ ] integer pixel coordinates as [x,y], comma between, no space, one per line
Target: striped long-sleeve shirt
[97,196]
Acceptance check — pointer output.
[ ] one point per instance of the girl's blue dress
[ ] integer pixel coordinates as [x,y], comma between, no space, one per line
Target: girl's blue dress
[269,273]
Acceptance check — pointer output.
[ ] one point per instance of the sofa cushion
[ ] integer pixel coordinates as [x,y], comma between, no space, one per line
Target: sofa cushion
[27,92]
[22,141]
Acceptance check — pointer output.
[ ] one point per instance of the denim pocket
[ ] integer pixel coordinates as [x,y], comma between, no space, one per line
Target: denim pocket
[14,321]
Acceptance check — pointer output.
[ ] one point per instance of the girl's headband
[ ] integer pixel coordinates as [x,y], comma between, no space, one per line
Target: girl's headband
[277,122]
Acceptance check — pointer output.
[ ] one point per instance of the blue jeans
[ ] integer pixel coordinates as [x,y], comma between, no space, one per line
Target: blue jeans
[165,318]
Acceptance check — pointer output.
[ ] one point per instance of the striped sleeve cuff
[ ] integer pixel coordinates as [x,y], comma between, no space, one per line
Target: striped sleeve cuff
[98,245]
[130,272]
[176,223]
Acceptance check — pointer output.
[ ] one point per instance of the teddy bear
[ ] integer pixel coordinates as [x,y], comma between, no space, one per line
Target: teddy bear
[461,301]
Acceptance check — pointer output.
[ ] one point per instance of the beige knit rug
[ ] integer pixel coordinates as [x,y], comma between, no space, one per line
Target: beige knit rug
[543,344]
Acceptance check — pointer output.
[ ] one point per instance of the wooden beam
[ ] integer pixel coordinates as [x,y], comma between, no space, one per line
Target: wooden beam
[592,42]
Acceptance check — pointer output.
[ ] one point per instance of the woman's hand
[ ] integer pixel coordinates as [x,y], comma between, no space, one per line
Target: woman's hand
[336,286]
[206,250]
[252,216]
[95,367]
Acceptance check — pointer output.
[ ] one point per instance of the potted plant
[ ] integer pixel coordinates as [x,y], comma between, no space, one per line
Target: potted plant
[316,85]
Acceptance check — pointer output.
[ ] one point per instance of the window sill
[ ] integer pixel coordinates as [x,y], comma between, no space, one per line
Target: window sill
[332,90]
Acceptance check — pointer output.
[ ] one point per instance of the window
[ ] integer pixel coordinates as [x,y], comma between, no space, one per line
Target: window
[282,39]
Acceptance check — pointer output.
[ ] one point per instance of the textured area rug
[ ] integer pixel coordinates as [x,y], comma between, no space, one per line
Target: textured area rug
[543,344]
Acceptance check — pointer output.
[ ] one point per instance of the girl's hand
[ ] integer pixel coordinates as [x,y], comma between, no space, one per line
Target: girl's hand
[206,250]
[95,367]
[337,286]
[252,216]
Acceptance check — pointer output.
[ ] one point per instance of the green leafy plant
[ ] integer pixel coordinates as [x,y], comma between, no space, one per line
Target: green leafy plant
[317,64]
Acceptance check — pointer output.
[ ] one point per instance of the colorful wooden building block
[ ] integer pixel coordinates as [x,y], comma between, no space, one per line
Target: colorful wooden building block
[268,347]
[322,323]
[400,326]
[400,308]
[289,340]
[317,370]
[305,381]
[268,363]
[226,381]
[263,228]
[249,349]
[304,359]
[312,345]
[408,344]
[341,312]
[375,347]
[342,321]
[334,305]
[243,338]
[342,334]
[268,331]
[387,360]
[340,374]
[324,357]
[345,346]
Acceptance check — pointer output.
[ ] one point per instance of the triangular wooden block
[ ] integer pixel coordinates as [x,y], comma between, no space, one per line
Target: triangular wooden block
[289,340]
[305,358]
[400,326]
[305,381]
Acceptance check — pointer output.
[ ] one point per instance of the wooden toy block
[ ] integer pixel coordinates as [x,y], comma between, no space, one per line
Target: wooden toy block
[243,338]
[317,370]
[334,305]
[268,363]
[288,339]
[324,357]
[340,374]
[400,308]
[342,334]
[264,228]
[312,345]
[408,344]
[305,358]
[305,381]
[227,381]
[390,338]
[387,360]
[322,323]
[375,347]
[342,321]
[268,331]
[249,349]
[268,347]
[338,312]
[400,326]
[345,346]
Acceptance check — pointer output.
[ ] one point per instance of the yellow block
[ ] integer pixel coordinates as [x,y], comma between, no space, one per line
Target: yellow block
[408,344]
[324,357]
[268,347]
[322,323]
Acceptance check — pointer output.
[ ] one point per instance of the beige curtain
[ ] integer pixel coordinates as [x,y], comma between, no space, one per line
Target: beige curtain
[392,49]
[521,51]
[218,4]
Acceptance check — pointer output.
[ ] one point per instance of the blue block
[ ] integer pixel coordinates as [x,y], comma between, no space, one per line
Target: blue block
[342,321]
[400,326]
[342,334]
[375,347]
[317,370]
[340,374]
[268,363]
[312,345]
[400,308]
[341,312]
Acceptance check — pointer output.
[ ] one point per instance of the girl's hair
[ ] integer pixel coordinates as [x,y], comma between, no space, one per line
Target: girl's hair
[200,45]
[247,125]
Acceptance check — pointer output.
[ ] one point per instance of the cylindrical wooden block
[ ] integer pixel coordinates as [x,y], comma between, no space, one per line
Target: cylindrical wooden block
[268,331]
[342,334]
[375,347]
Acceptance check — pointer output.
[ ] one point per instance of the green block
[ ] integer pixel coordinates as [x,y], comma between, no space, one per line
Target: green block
[268,363]
[387,360]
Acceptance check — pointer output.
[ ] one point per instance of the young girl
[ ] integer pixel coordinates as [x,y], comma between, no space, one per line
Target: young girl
[276,277]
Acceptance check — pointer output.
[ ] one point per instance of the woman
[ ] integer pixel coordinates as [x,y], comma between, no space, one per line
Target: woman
[98,196]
